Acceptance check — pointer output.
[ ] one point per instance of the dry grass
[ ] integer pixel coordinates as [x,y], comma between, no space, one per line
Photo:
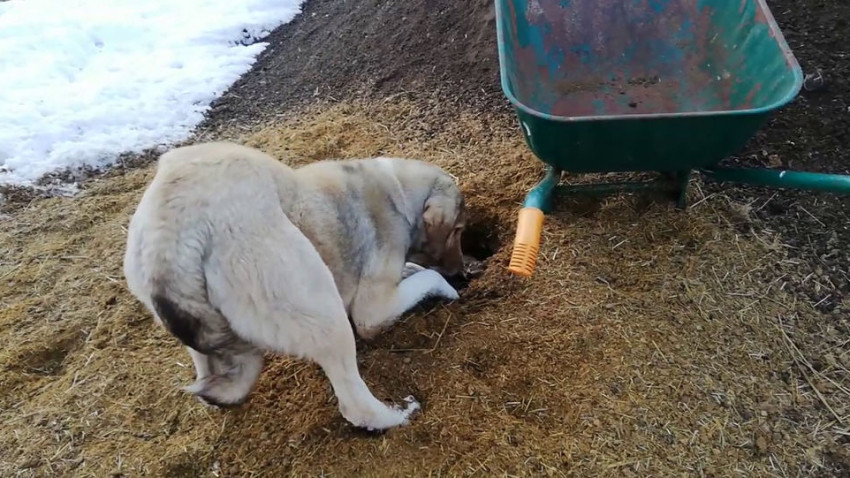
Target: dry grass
[649,342]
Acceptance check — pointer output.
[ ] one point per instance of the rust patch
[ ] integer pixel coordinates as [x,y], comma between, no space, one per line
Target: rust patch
[580,55]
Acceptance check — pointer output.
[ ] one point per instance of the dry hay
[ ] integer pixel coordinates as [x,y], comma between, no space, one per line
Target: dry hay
[649,342]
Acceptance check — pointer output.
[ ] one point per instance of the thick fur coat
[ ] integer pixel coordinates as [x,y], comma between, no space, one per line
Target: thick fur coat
[236,253]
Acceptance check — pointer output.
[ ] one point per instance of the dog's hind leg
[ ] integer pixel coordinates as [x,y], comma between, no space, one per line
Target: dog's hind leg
[338,360]
[201,362]
[227,378]
[379,303]
[314,325]
[280,296]
[328,340]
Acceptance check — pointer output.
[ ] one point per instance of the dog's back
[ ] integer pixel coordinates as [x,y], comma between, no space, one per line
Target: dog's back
[351,211]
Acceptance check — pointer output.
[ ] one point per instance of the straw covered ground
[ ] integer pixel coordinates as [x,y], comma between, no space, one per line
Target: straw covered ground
[650,341]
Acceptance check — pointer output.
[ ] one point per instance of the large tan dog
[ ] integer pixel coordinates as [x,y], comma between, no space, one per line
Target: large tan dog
[236,253]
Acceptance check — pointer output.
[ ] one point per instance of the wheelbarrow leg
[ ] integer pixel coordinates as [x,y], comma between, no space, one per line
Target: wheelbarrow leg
[677,185]
[682,178]
[538,201]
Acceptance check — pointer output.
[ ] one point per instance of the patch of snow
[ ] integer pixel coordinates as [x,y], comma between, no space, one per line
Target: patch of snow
[84,81]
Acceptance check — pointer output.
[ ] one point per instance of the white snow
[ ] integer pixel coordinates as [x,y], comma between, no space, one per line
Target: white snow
[82,81]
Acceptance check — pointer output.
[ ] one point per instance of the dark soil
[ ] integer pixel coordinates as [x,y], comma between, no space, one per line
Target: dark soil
[810,134]
[374,48]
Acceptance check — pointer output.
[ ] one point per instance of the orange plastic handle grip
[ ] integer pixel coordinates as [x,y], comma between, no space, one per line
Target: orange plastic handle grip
[526,242]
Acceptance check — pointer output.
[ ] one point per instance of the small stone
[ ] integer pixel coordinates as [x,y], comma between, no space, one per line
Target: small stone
[814,81]
[761,444]
[473,267]
[833,239]
[774,161]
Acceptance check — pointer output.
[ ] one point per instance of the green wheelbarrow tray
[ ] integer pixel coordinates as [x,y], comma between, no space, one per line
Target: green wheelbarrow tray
[666,86]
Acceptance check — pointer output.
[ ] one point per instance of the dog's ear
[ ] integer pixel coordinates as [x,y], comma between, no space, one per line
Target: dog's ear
[441,218]
[434,215]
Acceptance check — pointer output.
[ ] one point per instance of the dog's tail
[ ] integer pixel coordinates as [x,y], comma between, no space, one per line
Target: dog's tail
[196,324]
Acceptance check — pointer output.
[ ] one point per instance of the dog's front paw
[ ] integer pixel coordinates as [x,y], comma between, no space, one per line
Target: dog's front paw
[442,288]
[446,291]
[409,269]
[436,285]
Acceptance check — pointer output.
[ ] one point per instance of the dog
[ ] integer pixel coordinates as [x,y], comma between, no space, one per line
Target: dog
[235,253]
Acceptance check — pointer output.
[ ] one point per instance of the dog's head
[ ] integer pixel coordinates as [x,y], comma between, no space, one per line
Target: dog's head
[443,220]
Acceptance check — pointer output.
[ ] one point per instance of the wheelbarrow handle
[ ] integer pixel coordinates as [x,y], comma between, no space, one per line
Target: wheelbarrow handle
[538,201]
[832,183]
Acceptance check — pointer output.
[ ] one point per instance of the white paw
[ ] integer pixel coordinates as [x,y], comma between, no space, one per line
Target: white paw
[409,269]
[207,404]
[445,290]
[440,287]
[195,389]
[390,417]
[412,407]
[449,292]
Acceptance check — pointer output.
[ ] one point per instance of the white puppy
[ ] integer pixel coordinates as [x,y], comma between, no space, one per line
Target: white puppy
[236,253]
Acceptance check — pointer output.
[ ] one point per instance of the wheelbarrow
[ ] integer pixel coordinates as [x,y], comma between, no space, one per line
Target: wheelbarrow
[661,86]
